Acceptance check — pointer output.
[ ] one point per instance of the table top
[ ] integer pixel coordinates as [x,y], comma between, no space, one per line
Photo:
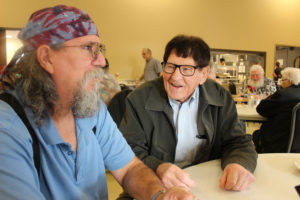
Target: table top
[276,176]
[248,113]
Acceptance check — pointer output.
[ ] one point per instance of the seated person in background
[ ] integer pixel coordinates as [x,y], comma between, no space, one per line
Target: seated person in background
[183,118]
[260,83]
[56,83]
[274,133]
[109,85]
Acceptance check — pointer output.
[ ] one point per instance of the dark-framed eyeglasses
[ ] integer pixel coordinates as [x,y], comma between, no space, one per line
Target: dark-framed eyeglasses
[185,70]
[93,47]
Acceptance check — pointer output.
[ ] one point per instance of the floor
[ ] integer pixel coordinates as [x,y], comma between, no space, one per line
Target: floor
[251,127]
[114,189]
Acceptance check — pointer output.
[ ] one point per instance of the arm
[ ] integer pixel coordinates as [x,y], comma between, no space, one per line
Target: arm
[142,183]
[231,140]
[269,107]
[158,68]
[171,176]
[238,154]
[139,80]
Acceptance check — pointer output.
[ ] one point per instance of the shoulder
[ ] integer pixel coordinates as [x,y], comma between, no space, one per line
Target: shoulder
[268,81]
[214,93]
[156,61]
[147,87]
[14,135]
[10,121]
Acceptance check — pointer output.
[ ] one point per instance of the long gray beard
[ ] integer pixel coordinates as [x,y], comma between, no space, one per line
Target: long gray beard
[256,84]
[86,103]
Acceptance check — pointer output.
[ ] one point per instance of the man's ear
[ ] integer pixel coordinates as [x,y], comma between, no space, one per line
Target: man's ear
[205,72]
[43,53]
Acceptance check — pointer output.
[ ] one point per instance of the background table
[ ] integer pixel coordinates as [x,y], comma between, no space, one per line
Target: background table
[248,113]
[276,176]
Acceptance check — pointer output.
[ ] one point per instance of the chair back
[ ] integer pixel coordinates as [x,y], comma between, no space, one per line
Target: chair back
[116,106]
[294,141]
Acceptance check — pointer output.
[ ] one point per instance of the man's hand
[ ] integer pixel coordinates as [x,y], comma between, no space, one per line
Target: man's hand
[236,177]
[177,193]
[171,176]
[137,83]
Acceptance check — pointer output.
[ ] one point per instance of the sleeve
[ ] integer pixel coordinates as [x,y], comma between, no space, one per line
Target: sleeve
[236,146]
[268,107]
[18,175]
[158,67]
[272,86]
[116,152]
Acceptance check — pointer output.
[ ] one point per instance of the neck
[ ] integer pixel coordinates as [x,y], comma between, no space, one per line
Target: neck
[64,121]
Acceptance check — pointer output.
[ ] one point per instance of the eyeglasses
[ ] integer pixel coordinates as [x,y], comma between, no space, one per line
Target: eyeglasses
[94,48]
[185,70]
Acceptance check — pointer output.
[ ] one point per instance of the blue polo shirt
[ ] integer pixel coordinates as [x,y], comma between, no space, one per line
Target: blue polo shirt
[64,174]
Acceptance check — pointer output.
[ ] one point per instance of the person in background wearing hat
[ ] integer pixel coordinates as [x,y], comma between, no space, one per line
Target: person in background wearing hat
[56,80]
[184,118]
[109,85]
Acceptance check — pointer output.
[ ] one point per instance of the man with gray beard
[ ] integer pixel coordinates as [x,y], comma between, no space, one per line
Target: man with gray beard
[258,82]
[55,79]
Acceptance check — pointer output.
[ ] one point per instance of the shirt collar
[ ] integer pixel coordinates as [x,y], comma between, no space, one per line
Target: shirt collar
[208,94]
[192,98]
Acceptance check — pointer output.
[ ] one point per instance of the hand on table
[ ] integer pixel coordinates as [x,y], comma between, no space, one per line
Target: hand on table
[236,177]
[177,193]
[171,176]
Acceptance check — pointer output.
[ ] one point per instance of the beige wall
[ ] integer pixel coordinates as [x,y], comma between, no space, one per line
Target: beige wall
[126,26]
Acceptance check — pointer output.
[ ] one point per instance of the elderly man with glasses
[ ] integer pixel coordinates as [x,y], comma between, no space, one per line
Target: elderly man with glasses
[61,144]
[183,119]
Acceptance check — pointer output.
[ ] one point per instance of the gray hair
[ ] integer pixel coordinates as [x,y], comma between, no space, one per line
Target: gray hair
[257,67]
[37,87]
[292,74]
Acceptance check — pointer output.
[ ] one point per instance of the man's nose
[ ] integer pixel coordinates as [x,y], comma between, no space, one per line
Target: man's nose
[176,74]
[100,61]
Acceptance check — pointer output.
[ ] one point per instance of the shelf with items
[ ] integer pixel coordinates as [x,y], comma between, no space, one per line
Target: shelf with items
[237,64]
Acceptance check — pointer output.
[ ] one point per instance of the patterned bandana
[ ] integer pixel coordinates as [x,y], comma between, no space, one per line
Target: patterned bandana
[56,25]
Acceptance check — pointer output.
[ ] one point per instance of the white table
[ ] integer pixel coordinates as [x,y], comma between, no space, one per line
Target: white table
[248,113]
[276,176]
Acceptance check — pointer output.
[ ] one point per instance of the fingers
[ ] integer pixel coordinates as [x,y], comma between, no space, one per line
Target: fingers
[171,176]
[223,180]
[236,177]
[178,193]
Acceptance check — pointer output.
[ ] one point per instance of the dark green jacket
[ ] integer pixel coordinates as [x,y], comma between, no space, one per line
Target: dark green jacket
[149,129]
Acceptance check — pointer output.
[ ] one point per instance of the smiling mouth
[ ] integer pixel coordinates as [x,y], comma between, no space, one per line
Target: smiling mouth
[175,85]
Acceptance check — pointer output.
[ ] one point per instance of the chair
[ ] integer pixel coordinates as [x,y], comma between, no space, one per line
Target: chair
[116,106]
[294,141]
